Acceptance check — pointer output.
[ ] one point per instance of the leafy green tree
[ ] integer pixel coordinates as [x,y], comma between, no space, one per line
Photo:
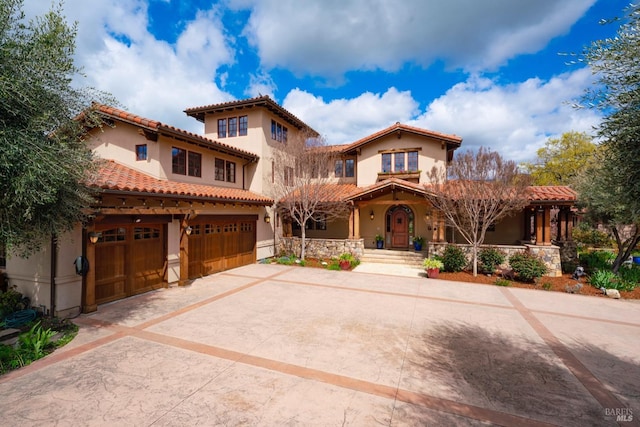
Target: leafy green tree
[610,190]
[43,159]
[562,159]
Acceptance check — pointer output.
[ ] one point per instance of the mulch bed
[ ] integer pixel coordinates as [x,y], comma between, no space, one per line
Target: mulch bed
[557,284]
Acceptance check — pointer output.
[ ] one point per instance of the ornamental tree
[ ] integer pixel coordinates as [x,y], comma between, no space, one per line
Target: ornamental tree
[43,159]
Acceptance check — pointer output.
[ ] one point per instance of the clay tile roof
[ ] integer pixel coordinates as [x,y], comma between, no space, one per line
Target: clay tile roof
[160,127]
[556,193]
[388,184]
[115,177]
[331,192]
[399,127]
[260,101]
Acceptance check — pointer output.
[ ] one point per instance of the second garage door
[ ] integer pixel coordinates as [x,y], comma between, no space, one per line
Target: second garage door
[219,243]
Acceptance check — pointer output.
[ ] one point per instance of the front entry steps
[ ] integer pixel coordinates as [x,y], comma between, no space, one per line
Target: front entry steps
[385,256]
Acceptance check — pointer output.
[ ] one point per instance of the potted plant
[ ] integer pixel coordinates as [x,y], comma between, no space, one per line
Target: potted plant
[432,266]
[379,241]
[636,257]
[418,241]
[346,260]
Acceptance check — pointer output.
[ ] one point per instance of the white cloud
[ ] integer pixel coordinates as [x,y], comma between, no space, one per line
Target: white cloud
[328,38]
[514,120]
[343,121]
[148,76]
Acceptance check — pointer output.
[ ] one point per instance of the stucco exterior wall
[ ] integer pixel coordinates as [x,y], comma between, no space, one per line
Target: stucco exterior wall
[430,153]
[509,231]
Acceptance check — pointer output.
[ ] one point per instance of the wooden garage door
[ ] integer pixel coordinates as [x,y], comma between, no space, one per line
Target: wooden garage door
[129,260]
[217,245]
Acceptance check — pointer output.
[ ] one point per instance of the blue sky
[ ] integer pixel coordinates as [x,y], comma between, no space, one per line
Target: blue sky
[486,70]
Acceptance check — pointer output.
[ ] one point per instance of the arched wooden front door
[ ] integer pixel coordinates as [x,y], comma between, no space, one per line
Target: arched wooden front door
[399,229]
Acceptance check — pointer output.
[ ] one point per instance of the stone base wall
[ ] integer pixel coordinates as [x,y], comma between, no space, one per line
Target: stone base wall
[568,253]
[549,254]
[321,248]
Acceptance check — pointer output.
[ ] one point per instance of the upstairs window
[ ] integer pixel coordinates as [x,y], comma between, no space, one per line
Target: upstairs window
[195,164]
[386,162]
[412,161]
[349,168]
[179,161]
[141,152]
[180,165]
[244,125]
[233,126]
[398,162]
[222,128]
[225,170]
[288,176]
[338,168]
[278,132]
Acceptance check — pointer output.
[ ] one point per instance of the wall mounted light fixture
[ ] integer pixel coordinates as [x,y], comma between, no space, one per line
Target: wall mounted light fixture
[94,236]
[371,215]
[188,230]
[267,218]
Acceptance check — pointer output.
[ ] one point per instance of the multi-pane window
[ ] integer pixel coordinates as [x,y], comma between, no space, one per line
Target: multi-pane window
[349,168]
[398,162]
[233,126]
[224,170]
[386,162]
[195,164]
[222,128]
[180,165]
[278,132]
[412,161]
[179,161]
[219,169]
[405,161]
[244,125]
[141,152]
[338,168]
[231,171]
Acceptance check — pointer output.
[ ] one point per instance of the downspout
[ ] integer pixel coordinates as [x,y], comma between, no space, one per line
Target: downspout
[54,263]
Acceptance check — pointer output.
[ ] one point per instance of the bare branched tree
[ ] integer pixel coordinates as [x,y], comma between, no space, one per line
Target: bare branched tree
[303,183]
[476,191]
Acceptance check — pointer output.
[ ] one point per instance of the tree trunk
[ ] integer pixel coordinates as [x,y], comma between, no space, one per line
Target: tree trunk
[303,238]
[624,247]
[475,260]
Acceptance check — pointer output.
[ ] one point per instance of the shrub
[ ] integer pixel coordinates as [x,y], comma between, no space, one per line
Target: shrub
[286,260]
[490,258]
[547,286]
[585,235]
[454,259]
[502,282]
[597,260]
[35,341]
[602,279]
[528,267]
[353,261]
[630,276]
[10,302]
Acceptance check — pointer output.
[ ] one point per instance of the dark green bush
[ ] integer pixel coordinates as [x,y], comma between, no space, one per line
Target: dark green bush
[490,258]
[596,260]
[528,267]
[454,259]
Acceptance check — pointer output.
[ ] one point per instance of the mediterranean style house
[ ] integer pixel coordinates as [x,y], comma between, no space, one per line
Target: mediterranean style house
[171,206]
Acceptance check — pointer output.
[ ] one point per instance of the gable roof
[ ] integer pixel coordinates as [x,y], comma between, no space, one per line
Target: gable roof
[452,141]
[261,101]
[153,128]
[113,177]
[384,187]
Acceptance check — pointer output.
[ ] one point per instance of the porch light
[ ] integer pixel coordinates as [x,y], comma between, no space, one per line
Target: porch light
[267,218]
[94,237]
[188,230]
[371,215]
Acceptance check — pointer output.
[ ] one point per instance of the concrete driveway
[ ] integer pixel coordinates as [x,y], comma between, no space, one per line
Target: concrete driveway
[276,345]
